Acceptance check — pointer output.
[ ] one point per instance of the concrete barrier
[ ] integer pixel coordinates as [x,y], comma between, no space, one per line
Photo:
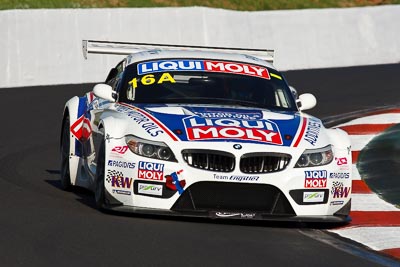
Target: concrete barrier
[42,47]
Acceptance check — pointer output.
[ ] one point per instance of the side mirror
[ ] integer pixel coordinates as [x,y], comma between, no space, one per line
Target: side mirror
[104,91]
[306,101]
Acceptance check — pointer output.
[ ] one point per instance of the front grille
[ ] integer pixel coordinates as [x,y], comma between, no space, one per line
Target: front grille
[264,162]
[211,160]
[240,197]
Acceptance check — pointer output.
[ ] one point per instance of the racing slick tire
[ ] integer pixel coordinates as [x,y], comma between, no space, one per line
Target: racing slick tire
[65,178]
[99,192]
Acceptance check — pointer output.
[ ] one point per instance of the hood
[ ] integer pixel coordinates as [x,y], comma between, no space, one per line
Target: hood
[232,124]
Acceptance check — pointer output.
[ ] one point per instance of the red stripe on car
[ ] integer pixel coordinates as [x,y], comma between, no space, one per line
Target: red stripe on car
[300,136]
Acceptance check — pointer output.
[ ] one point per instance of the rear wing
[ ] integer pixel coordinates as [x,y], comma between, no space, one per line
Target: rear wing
[122,48]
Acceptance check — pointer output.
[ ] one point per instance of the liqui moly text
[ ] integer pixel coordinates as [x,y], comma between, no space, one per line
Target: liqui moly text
[203,65]
[265,131]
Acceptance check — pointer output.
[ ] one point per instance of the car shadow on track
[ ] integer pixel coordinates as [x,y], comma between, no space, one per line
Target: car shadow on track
[86,197]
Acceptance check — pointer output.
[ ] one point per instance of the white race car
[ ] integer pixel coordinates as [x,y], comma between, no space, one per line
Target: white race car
[195,131]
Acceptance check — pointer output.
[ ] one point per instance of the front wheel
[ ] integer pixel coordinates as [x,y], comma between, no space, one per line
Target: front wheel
[65,178]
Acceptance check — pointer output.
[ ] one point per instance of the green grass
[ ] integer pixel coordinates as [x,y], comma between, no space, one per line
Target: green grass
[250,5]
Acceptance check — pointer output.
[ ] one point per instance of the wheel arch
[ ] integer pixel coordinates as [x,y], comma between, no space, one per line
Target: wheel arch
[65,114]
[339,138]
[341,145]
[114,127]
[71,110]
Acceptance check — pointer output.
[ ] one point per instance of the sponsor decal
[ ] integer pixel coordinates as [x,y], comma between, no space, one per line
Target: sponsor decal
[202,65]
[122,192]
[311,197]
[312,131]
[98,103]
[173,182]
[339,190]
[93,105]
[120,149]
[81,128]
[237,178]
[343,164]
[341,161]
[339,175]
[121,164]
[150,79]
[149,126]
[315,179]
[265,131]
[151,171]
[334,203]
[229,115]
[150,189]
[117,179]
[239,215]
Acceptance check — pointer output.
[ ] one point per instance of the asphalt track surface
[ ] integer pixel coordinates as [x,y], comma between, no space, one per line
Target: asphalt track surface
[41,225]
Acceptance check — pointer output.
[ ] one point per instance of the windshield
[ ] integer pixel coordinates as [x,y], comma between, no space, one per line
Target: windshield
[187,81]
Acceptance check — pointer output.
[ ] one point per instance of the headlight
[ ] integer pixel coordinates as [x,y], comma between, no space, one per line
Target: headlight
[149,149]
[315,157]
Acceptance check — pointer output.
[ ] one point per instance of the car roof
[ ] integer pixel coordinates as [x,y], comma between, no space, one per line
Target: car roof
[188,54]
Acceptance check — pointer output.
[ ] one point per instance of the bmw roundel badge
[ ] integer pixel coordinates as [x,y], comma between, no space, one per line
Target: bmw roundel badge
[237,146]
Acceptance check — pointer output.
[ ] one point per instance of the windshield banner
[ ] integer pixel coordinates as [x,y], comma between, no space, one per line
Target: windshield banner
[203,65]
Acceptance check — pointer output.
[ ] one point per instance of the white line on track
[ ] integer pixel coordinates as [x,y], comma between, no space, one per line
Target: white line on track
[370,202]
[377,238]
[386,118]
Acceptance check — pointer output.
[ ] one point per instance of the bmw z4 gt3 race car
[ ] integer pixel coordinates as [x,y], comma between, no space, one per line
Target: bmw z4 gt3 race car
[192,131]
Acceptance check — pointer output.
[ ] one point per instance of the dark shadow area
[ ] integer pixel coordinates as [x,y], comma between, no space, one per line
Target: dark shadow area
[53,171]
[379,165]
[86,197]
[54,183]
[237,222]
